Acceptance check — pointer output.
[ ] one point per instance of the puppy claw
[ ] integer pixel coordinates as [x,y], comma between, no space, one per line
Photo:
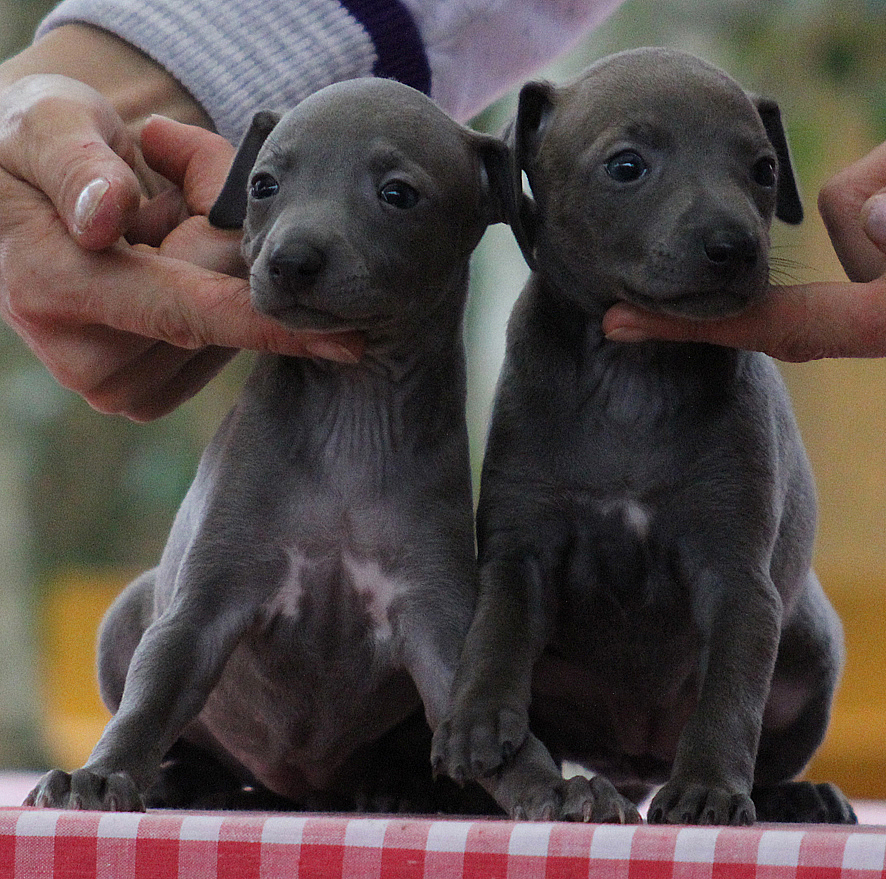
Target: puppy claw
[86,789]
[692,803]
[578,799]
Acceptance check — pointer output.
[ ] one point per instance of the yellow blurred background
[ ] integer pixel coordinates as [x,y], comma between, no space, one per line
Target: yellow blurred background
[86,500]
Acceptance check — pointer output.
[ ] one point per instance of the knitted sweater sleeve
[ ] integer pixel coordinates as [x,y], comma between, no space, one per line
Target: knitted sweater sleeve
[238,56]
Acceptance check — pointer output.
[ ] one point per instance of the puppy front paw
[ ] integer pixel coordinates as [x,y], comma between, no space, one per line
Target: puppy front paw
[473,744]
[579,799]
[85,789]
[692,803]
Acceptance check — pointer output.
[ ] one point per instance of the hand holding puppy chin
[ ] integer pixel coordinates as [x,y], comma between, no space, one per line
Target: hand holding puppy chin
[108,268]
[804,321]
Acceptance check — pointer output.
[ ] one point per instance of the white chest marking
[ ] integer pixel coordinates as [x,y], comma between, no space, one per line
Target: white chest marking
[376,590]
[346,579]
[637,518]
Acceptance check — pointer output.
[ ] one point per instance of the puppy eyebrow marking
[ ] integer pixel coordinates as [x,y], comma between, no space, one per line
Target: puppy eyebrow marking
[274,153]
[652,134]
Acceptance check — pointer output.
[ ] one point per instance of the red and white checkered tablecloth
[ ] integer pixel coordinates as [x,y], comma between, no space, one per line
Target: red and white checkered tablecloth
[45,844]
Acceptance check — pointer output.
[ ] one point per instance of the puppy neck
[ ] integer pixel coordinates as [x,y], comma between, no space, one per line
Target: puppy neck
[640,380]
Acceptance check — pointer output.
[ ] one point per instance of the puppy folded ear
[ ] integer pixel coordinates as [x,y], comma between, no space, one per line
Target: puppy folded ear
[229,210]
[534,110]
[495,170]
[788,206]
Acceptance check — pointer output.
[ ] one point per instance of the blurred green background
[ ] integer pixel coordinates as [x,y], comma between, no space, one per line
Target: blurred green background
[86,500]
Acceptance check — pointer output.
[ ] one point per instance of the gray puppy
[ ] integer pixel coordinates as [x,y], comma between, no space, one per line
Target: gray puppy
[320,576]
[647,512]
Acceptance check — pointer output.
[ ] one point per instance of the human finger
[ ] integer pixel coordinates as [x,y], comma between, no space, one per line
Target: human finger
[64,139]
[793,323]
[153,296]
[157,381]
[852,205]
[197,161]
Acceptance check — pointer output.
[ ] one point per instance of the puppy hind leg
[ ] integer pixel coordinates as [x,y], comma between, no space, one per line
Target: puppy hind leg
[806,672]
[121,629]
[802,802]
[782,756]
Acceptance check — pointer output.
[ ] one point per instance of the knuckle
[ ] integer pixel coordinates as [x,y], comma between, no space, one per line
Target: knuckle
[56,134]
[173,327]
[136,396]
[16,302]
[194,323]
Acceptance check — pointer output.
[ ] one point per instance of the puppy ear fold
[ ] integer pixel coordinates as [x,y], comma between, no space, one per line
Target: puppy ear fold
[524,134]
[536,104]
[229,210]
[495,172]
[788,206]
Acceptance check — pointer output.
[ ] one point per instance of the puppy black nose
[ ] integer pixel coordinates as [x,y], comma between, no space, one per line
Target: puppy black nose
[296,264]
[728,248]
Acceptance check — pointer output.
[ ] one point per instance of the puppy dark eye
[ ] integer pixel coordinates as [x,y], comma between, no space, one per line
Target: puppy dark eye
[263,186]
[399,195]
[764,172]
[626,167]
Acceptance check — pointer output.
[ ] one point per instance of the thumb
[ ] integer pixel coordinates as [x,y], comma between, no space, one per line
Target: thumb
[873,219]
[852,208]
[67,141]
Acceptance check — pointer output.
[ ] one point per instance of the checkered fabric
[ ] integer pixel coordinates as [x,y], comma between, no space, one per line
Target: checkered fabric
[46,844]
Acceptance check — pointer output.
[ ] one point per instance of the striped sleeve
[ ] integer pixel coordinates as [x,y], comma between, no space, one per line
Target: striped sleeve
[238,56]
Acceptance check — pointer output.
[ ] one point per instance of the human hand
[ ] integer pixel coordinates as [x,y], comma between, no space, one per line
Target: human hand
[134,329]
[804,321]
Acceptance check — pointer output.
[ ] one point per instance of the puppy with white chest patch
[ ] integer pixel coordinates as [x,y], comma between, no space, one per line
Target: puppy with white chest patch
[647,513]
[320,576]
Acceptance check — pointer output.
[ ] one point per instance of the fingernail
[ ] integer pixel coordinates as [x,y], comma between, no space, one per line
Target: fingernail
[88,203]
[330,350]
[874,219]
[158,117]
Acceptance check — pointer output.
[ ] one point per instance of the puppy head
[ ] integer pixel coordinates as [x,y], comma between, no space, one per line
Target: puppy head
[361,206]
[655,179]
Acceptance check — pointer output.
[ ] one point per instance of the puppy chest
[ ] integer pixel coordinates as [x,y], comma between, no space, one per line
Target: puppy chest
[618,579]
[611,708]
[614,550]
[327,599]
[625,652]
